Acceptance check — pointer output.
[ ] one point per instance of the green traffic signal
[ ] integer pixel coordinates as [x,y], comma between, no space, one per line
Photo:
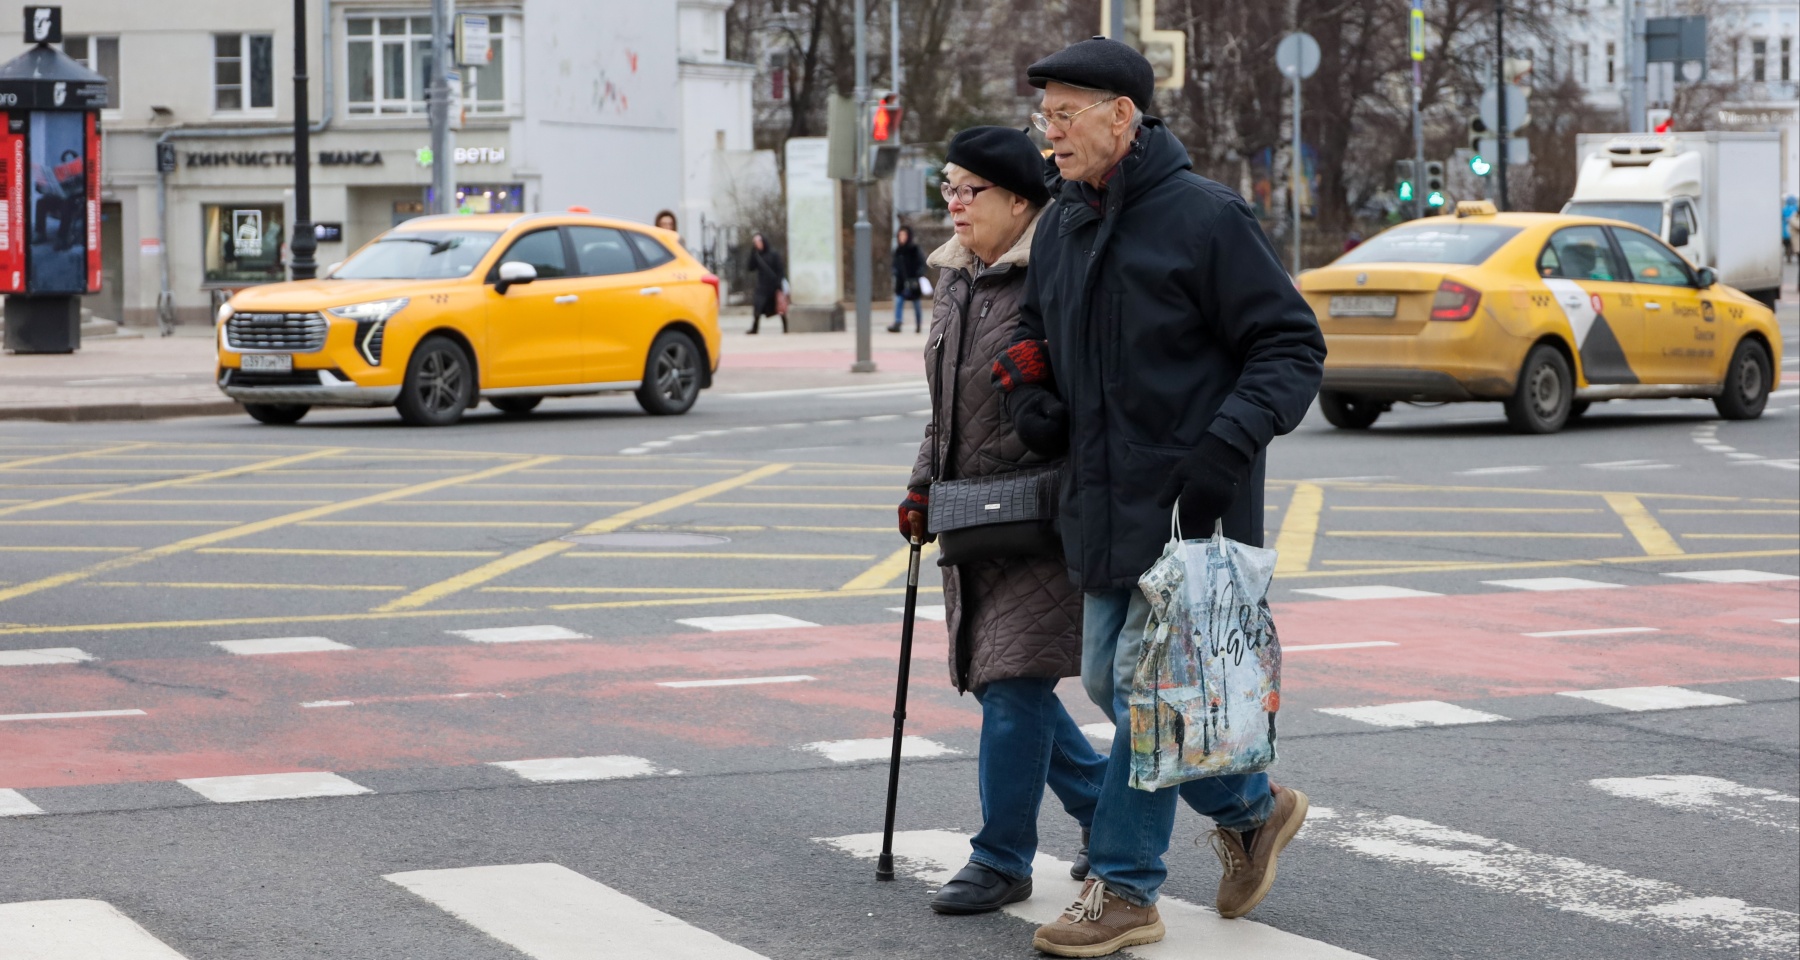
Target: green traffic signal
[1434,199]
[1405,190]
[1480,166]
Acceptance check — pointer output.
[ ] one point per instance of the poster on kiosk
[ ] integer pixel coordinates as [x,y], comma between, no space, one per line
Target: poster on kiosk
[49,188]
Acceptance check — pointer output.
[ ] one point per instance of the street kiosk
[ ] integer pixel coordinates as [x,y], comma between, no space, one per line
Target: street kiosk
[49,189]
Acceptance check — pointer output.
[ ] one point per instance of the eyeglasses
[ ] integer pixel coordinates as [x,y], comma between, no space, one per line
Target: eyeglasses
[1062,118]
[965,193]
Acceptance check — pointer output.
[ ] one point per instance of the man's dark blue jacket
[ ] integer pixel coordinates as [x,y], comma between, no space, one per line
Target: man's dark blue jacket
[1168,316]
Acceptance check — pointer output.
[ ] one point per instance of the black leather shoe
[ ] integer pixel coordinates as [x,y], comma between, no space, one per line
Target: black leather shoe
[979,889]
[1079,869]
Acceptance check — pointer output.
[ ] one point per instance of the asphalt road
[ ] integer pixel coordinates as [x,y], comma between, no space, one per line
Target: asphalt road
[1445,586]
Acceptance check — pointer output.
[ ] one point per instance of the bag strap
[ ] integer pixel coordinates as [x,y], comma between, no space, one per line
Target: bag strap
[1218,533]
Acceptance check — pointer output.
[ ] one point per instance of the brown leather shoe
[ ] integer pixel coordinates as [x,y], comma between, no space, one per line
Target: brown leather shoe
[1099,924]
[1250,873]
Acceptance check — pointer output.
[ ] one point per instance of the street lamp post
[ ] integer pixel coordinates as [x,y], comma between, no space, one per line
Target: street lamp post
[864,246]
[304,241]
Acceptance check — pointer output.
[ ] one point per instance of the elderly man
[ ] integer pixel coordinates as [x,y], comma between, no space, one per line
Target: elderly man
[1163,345]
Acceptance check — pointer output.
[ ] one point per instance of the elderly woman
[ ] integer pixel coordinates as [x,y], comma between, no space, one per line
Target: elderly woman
[1014,624]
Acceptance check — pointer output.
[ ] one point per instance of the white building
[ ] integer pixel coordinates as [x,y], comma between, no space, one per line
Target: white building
[616,105]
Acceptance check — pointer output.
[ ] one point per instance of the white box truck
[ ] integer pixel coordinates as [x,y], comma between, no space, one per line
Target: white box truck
[1713,196]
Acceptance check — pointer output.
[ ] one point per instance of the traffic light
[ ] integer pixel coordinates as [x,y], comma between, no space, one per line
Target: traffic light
[1434,183]
[1403,180]
[884,127]
[1478,131]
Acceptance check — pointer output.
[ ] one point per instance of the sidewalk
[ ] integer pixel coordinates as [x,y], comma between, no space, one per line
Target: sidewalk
[151,377]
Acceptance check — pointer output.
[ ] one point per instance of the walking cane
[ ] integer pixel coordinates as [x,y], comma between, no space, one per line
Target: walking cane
[884,867]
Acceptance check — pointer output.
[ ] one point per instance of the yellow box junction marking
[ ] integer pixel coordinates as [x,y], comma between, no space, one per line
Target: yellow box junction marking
[550,548]
[258,526]
[1650,535]
[102,452]
[1299,529]
[887,570]
[259,467]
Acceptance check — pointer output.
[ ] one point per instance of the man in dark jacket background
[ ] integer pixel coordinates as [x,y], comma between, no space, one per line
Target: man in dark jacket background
[1164,346]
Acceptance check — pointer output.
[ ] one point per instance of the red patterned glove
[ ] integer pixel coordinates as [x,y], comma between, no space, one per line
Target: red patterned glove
[913,514]
[1025,362]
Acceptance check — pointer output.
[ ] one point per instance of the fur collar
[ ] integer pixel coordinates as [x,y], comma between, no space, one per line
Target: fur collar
[958,257]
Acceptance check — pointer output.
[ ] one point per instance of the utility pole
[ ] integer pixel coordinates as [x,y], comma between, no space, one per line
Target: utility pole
[1298,169]
[437,95]
[304,241]
[894,81]
[1116,29]
[865,362]
[1636,72]
[1418,115]
[1503,131]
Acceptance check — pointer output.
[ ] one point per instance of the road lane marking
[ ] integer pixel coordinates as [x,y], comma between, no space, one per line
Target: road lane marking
[258,467]
[1594,632]
[1419,713]
[76,455]
[1732,576]
[529,634]
[1416,567]
[924,611]
[518,503]
[1534,511]
[878,748]
[750,621]
[70,715]
[1550,584]
[43,656]
[1630,465]
[1497,471]
[1731,512]
[1650,535]
[1637,699]
[775,505]
[323,552]
[1371,592]
[1194,931]
[416,698]
[1738,536]
[685,591]
[1661,909]
[14,804]
[1357,645]
[273,786]
[734,682]
[1299,529]
[274,645]
[780,528]
[885,571]
[199,585]
[1524,534]
[436,524]
[703,555]
[1708,795]
[573,769]
[498,568]
[76,930]
[548,912]
[257,526]
[8,548]
[117,523]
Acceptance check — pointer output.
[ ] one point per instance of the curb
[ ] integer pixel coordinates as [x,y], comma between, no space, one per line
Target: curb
[82,412]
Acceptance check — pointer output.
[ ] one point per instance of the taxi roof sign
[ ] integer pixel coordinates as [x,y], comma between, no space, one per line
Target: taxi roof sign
[1476,208]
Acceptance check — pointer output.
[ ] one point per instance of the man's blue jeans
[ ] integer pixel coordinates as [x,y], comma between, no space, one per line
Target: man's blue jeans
[1132,827]
[1028,739]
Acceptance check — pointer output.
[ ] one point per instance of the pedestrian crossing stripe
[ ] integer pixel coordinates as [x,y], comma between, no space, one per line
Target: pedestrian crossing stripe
[1194,931]
[14,804]
[76,930]
[1709,795]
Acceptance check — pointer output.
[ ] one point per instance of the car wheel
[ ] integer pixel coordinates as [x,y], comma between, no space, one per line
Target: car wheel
[671,375]
[515,406]
[1747,382]
[1545,394]
[1348,412]
[278,414]
[440,384]
[1579,407]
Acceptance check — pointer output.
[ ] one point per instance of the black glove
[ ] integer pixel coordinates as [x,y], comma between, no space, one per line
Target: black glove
[914,511]
[1040,418]
[1206,482]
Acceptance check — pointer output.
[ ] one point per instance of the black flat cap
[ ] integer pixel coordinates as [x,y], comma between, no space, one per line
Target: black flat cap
[1004,157]
[1098,64]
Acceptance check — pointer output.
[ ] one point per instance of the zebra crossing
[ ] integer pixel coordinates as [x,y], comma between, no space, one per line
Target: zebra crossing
[545,910]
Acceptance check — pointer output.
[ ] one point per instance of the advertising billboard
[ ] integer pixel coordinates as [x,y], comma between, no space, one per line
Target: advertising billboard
[12,203]
[58,261]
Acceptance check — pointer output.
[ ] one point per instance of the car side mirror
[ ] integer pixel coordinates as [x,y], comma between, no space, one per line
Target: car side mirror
[1707,277]
[1678,235]
[514,272]
[331,269]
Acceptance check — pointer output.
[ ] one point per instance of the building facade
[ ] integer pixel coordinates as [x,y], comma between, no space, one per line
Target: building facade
[581,102]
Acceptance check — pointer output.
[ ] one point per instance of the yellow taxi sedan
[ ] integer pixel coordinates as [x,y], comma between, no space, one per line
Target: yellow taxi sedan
[1547,314]
[442,312]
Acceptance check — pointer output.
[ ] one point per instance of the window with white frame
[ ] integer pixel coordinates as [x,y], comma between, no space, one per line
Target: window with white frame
[1787,59]
[101,55]
[388,66]
[1759,60]
[1580,56]
[243,72]
[1612,63]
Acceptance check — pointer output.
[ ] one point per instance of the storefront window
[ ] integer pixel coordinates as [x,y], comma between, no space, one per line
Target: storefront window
[243,243]
[490,198]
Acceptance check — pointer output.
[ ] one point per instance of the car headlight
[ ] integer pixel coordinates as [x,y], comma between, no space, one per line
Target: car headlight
[374,311]
[225,313]
[371,324]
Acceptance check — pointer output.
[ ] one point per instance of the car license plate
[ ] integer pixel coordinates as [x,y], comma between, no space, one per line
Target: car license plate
[1363,306]
[267,362]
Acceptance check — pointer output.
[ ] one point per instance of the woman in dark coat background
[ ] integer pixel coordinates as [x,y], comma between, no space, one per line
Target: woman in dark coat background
[771,274]
[909,266]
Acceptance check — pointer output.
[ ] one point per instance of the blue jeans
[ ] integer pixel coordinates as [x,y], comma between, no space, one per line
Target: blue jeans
[1028,739]
[900,313]
[1132,827]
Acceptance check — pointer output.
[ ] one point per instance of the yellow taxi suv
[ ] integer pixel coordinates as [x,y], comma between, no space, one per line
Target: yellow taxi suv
[442,312]
[1545,313]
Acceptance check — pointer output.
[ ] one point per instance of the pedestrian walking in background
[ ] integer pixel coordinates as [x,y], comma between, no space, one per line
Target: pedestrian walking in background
[1161,342]
[1790,227]
[665,220]
[1014,623]
[909,269]
[771,283]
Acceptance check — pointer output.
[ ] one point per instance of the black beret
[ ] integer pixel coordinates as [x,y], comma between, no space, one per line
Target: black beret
[1003,156]
[1098,64]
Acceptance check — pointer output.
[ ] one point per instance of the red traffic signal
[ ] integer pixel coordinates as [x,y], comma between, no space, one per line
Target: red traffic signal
[885,125]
